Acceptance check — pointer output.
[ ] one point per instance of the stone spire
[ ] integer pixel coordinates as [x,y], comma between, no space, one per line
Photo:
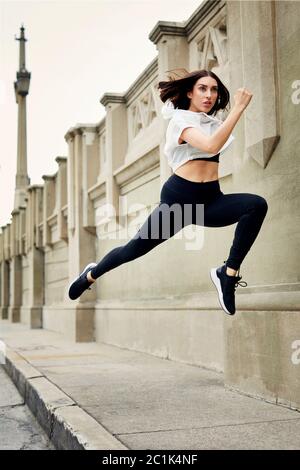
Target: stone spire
[21,90]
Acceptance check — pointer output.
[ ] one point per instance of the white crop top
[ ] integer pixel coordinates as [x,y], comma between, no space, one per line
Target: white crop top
[178,154]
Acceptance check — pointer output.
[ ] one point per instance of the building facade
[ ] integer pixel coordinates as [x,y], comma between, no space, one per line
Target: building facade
[164,303]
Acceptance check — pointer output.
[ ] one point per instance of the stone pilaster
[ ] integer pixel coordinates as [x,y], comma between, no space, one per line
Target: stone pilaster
[61,198]
[253,44]
[173,53]
[116,137]
[5,270]
[15,273]
[21,231]
[32,312]
[90,172]
[81,240]
[48,206]
[4,277]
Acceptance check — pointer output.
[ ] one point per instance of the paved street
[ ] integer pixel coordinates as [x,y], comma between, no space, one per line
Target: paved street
[18,427]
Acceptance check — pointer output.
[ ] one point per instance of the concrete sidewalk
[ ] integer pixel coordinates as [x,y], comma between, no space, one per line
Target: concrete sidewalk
[97,396]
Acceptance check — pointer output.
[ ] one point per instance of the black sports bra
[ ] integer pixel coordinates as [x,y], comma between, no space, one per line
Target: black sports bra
[215,158]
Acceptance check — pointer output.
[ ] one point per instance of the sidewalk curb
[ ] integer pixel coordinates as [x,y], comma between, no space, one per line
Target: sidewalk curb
[67,425]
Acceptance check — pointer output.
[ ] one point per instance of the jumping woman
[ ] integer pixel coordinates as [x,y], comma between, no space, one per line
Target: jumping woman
[195,138]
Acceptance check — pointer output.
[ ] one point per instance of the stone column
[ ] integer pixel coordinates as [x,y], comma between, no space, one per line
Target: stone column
[116,138]
[4,277]
[61,201]
[5,270]
[34,317]
[22,231]
[33,312]
[48,206]
[90,172]
[173,53]
[21,86]
[81,241]
[15,274]
[258,72]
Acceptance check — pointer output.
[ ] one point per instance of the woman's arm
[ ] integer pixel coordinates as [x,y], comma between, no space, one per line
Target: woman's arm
[218,139]
[213,143]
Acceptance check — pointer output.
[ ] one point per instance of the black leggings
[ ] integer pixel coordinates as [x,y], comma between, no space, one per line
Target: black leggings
[184,202]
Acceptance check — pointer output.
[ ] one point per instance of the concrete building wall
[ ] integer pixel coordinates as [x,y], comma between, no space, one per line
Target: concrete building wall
[56,273]
[25,281]
[164,303]
[261,345]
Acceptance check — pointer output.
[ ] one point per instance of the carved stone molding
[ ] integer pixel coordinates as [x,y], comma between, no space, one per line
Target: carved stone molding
[212,48]
[259,67]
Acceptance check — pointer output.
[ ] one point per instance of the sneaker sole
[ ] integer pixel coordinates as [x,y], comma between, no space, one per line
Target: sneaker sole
[217,284]
[87,266]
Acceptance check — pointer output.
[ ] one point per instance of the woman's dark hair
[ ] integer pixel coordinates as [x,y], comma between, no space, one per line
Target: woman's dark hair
[176,90]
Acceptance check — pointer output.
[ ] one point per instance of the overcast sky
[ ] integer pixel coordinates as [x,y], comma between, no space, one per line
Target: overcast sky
[76,51]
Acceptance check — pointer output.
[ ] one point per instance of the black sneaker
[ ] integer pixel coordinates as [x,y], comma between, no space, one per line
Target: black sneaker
[226,286]
[81,283]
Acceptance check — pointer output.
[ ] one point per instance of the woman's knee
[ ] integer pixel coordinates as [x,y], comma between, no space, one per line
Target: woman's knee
[261,204]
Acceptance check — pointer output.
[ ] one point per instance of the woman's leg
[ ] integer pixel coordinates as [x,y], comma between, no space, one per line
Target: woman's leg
[164,221]
[249,210]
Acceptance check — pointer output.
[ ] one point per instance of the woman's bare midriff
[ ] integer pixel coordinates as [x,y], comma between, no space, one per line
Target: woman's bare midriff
[198,171]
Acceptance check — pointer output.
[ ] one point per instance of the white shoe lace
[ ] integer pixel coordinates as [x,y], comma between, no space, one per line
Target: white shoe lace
[238,281]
